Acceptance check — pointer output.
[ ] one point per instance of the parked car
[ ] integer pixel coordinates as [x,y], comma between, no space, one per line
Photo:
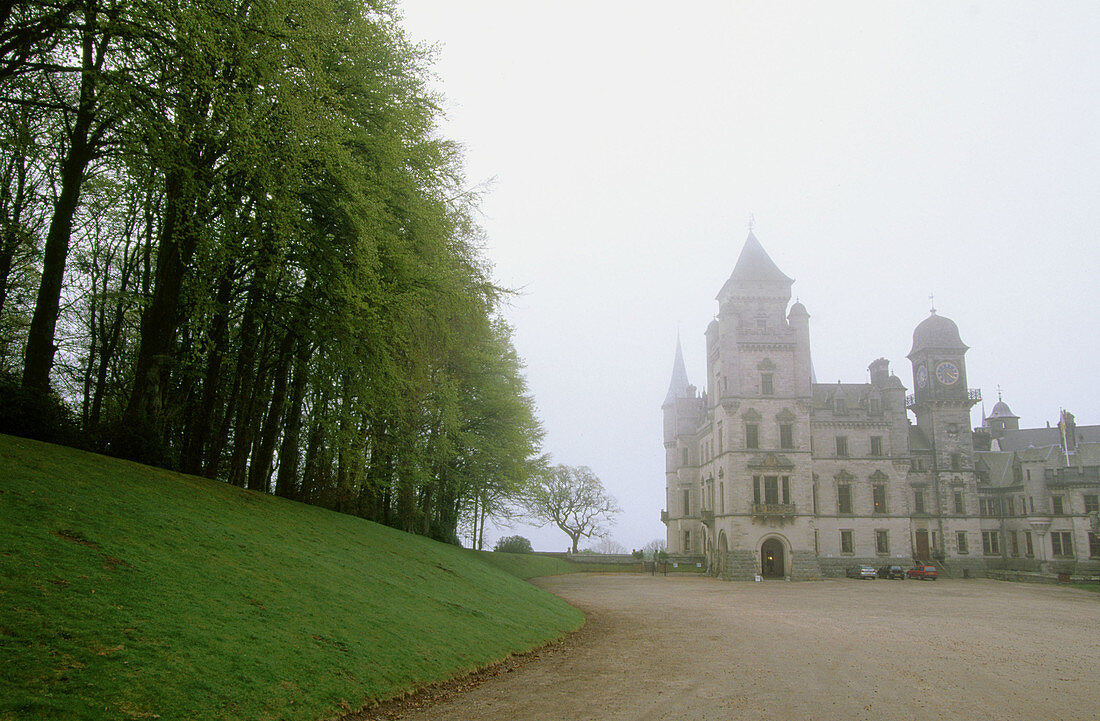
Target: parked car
[922,572]
[892,572]
[861,572]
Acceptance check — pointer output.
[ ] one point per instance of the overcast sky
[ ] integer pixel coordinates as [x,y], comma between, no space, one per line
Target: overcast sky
[887,151]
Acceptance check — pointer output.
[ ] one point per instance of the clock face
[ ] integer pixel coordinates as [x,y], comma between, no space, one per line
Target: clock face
[922,377]
[947,373]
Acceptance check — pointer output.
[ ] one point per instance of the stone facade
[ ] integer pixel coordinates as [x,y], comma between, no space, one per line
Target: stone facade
[769,472]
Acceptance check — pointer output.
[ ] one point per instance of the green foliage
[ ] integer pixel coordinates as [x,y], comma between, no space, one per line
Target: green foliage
[272,259]
[513,544]
[132,592]
[573,499]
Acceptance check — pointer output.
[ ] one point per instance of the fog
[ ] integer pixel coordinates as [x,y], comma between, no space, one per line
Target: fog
[886,152]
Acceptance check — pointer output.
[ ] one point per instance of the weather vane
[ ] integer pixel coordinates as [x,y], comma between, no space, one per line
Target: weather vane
[932,300]
[998,391]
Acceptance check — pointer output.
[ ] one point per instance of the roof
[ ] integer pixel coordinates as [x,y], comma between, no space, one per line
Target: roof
[677,387]
[936,331]
[755,264]
[1001,410]
[1014,440]
[754,273]
[999,465]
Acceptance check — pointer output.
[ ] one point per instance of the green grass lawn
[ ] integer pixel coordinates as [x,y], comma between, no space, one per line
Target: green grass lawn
[132,592]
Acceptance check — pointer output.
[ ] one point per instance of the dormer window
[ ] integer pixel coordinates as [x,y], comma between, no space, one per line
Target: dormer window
[840,406]
[761,324]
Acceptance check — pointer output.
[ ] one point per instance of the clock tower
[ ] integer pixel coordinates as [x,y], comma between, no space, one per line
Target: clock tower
[942,403]
[941,399]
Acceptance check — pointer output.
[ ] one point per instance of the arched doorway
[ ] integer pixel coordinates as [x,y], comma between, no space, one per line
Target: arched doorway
[772,559]
[723,555]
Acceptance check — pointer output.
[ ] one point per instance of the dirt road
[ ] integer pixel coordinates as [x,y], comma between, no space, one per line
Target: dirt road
[696,648]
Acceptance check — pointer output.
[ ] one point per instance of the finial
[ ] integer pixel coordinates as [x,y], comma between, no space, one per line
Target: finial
[932,300]
[998,391]
[752,222]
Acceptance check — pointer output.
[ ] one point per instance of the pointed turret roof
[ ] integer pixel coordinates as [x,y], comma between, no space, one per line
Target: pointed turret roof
[678,386]
[755,264]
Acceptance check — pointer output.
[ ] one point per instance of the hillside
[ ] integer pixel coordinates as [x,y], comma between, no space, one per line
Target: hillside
[133,592]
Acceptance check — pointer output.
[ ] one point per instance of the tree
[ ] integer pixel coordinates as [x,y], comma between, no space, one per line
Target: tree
[608,547]
[513,544]
[574,500]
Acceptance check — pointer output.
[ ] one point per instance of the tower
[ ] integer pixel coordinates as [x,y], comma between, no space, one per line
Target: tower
[942,403]
[682,410]
[941,399]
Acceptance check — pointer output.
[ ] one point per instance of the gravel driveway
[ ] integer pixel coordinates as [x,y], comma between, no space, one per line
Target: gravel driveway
[696,648]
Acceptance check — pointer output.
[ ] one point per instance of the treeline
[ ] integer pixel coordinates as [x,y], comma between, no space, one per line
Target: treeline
[232,242]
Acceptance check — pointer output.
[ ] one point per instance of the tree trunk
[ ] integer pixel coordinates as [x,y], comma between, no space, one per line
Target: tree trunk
[39,355]
[259,472]
[144,412]
[192,457]
[289,453]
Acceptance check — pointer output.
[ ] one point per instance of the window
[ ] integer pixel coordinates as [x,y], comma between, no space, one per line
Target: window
[786,435]
[876,445]
[1027,544]
[1094,545]
[771,489]
[1017,475]
[991,543]
[1014,542]
[918,500]
[1031,503]
[844,498]
[1091,504]
[686,502]
[882,543]
[684,456]
[1056,505]
[786,489]
[687,541]
[842,445]
[1061,543]
[846,542]
[1029,474]
[960,540]
[840,406]
[767,386]
[956,461]
[756,489]
[721,438]
[752,435]
[959,507]
[721,497]
[988,506]
[878,495]
[1010,506]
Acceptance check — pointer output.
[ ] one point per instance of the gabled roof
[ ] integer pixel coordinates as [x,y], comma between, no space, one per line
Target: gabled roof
[678,386]
[999,466]
[755,264]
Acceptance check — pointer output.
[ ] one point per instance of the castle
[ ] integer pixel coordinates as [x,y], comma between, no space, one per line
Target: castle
[769,472]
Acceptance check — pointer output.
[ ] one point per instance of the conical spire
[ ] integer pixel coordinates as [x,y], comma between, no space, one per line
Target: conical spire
[678,386]
[754,263]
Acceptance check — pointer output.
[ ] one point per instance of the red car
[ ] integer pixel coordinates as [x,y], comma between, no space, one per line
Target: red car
[922,572]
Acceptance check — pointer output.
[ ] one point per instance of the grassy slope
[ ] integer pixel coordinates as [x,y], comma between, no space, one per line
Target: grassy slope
[128,591]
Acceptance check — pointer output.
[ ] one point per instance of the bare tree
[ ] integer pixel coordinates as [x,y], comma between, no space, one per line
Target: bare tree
[574,500]
[608,546]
